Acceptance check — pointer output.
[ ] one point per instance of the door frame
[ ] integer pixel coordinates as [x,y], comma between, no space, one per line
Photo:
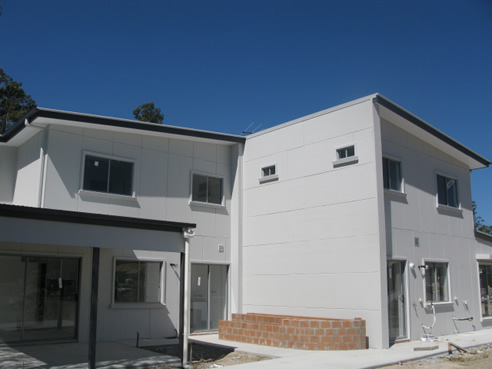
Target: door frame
[227,290]
[405,304]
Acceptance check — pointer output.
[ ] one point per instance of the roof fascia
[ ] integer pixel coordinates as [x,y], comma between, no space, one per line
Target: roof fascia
[381,100]
[483,235]
[116,123]
[65,216]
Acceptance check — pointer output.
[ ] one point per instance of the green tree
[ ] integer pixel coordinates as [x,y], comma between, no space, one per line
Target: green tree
[479,225]
[148,113]
[14,102]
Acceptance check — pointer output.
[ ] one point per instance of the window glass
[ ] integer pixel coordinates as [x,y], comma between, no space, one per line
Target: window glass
[108,175]
[206,189]
[447,191]
[96,174]
[346,152]
[268,171]
[120,177]
[486,289]
[137,281]
[392,174]
[214,190]
[436,282]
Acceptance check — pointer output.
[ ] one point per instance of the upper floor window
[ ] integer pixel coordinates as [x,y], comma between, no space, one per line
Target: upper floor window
[436,282]
[137,281]
[447,191]
[108,175]
[392,175]
[207,189]
[346,152]
[346,155]
[269,173]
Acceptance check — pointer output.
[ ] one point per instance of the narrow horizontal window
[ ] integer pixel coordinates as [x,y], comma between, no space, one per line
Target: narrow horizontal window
[268,171]
[206,189]
[108,175]
[392,175]
[346,152]
[447,191]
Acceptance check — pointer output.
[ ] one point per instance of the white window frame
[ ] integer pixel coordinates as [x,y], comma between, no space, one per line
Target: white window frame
[139,305]
[427,276]
[445,206]
[402,178]
[346,160]
[203,203]
[83,191]
[271,177]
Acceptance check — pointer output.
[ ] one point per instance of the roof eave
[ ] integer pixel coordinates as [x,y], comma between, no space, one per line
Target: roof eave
[480,161]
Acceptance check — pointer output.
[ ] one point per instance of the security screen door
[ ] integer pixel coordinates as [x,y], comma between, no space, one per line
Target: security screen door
[38,298]
[208,296]
[396,300]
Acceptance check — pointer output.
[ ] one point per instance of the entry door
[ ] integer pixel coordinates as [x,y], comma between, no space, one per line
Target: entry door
[396,300]
[38,298]
[208,296]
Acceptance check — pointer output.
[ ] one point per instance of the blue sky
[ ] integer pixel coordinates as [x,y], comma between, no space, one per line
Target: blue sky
[221,65]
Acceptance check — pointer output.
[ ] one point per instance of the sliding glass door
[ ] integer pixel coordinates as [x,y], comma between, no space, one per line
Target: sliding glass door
[208,296]
[38,298]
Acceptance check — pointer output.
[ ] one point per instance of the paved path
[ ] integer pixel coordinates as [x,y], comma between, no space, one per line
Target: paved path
[124,354]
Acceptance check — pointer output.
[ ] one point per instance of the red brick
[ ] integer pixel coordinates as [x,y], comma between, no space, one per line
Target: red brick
[314,324]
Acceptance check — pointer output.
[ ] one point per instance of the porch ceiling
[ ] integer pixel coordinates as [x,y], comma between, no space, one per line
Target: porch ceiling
[21,224]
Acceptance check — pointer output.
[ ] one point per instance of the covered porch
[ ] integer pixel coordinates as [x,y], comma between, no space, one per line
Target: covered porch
[53,235]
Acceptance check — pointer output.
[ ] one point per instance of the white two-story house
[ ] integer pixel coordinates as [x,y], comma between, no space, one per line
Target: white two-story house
[362,210]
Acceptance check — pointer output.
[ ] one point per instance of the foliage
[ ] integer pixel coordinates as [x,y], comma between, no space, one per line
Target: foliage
[148,113]
[479,225]
[14,102]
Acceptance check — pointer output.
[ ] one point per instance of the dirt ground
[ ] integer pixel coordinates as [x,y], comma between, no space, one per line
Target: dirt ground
[207,356]
[477,358]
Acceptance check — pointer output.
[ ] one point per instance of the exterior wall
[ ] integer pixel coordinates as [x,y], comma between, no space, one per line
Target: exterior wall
[29,165]
[123,321]
[311,240]
[8,160]
[162,181]
[443,235]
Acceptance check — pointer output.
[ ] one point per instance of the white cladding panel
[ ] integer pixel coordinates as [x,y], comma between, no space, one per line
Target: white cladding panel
[29,172]
[8,160]
[311,242]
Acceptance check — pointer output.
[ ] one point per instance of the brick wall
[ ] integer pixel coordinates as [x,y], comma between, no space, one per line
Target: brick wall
[305,333]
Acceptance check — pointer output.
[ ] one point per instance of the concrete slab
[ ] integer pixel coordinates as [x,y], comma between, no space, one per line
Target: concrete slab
[357,359]
[109,355]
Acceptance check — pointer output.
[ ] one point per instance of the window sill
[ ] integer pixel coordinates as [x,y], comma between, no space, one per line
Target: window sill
[268,178]
[394,193]
[449,209]
[441,303]
[207,205]
[345,161]
[134,305]
[104,195]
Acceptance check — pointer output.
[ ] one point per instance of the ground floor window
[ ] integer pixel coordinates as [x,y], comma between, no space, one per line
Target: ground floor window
[208,296]
[485,272]
[38,298]
[436,282]
[137,281]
